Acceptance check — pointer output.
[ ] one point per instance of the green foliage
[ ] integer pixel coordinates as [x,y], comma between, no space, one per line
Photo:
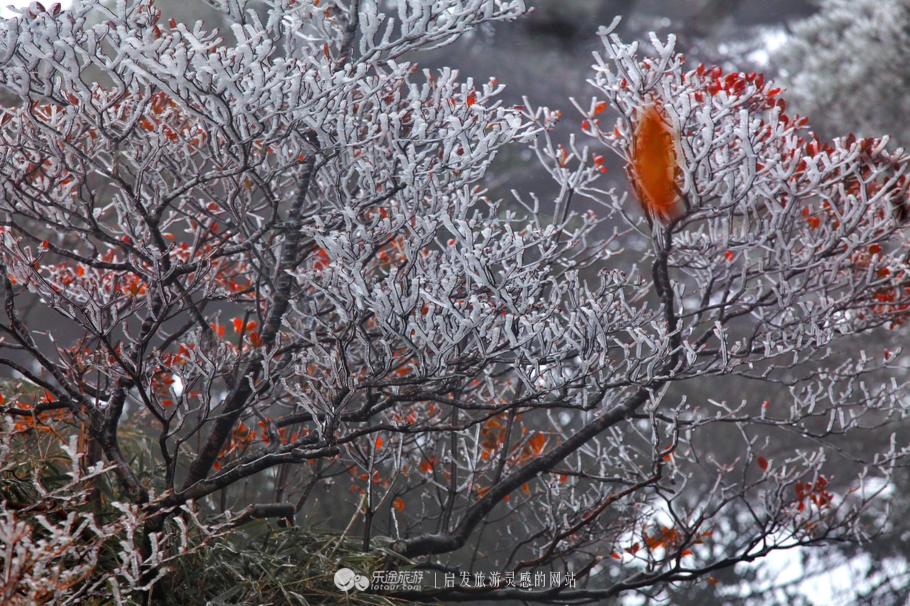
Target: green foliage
[260,564]
[254,564]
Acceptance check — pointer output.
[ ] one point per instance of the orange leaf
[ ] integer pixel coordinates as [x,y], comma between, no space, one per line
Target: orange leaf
[537,442]
[398,503]
[600,107]
[762,463]
[615,555]
[654,164]
[378,442]
[238,324]
[255,339]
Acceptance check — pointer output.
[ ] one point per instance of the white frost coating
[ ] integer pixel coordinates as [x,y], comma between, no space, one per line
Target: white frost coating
[295,228]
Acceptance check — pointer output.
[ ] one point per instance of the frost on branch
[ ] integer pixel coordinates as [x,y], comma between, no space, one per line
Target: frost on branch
[276,259]
[801,239]
[55,548]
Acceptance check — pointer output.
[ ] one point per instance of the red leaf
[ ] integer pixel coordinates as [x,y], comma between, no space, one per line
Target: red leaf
[428,465]
[763,463]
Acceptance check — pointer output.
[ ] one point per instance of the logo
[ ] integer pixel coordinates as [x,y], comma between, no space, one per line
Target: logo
[346,580]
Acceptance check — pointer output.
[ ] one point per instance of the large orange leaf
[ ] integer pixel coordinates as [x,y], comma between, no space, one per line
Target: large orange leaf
[654,164]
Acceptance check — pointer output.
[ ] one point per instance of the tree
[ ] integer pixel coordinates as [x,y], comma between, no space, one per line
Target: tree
[832,63]
[275,261]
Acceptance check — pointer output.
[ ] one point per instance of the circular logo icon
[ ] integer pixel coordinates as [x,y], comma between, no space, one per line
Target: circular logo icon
[346,580]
